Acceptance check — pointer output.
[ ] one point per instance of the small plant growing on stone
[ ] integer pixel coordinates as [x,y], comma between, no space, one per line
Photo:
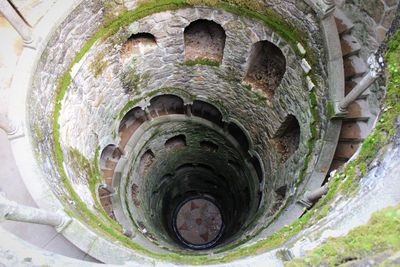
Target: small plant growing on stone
[130,81]
[202,61]
[99,64]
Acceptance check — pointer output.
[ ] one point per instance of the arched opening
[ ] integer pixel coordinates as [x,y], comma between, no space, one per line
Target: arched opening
[267,66]
[239,135]
[287,138]
[257,167]
[204,40]
[138,43]
[166,104]
[280,195]
[207,111]
[108,161]
[129,123]
[209,146]
[175,142]
[145,162]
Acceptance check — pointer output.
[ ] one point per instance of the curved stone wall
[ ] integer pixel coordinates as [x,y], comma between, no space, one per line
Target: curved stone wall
[107,82]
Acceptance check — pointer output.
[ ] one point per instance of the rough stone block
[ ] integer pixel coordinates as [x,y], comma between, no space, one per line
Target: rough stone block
[346,150]
[354,67]
[350,45]
[343,23]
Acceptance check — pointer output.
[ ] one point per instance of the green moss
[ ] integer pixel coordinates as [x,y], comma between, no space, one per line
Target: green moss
[99,64]
[39,133]
[257,96]
[329,109]
[130,81]
[79,161]
[202,61]
[382,233]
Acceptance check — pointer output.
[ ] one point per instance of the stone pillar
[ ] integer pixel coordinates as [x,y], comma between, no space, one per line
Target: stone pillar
[376,66]
[311,197]
[16,21]
[315,195]
[188,110]
[10,210]
[147,113]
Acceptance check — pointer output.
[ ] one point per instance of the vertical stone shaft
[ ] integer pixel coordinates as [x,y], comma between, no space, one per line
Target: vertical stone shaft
[16,21]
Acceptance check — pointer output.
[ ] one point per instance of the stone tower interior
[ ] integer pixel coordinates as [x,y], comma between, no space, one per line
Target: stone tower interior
[200,132]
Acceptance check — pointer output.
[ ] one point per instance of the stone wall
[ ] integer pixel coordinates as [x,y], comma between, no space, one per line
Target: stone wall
[98,99]
[103,82]
[59,53]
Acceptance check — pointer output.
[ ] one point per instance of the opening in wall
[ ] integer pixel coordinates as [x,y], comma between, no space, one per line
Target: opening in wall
[138,43]
[209,146]
[204,40]
[287,137]
[175,142]
[166,104]
[129,123]
[267,66]
[207,111]
[145,162]
[239,135]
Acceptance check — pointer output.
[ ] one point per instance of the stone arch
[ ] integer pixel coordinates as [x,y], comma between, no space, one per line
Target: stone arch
[209,146]
[146,161]
[266,67]
[204,39]
[138,43]
[109,158]
[287,138]
[175,142]
[239,135]
[166,104]
[258,168]
[130,123]
[207,111]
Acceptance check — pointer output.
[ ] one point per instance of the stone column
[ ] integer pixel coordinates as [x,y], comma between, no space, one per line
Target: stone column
[16,21]
[376,66]
[10,210]
[188,110]
[147,113]
[315,195]
[312,197]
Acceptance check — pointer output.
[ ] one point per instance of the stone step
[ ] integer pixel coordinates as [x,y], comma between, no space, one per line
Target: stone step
[354,131]
[107,172]
[358,111]
[354,67]
[345,150]
[343,23]
[350,45]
